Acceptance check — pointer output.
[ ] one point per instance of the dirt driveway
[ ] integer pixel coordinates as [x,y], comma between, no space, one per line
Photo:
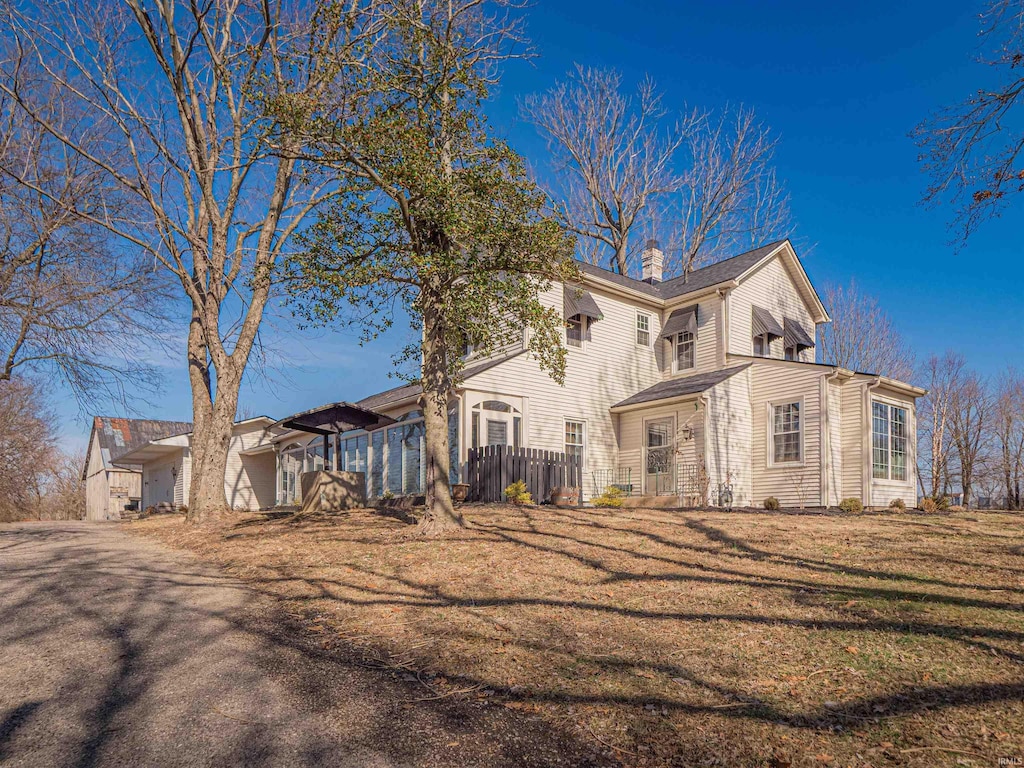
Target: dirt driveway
[119,651]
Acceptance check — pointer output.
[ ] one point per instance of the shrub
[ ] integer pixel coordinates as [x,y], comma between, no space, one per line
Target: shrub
[957,509]
[851,505]
[898,505]
[942,503]
[517,494]
[612,497]
[928,505]
[771,503]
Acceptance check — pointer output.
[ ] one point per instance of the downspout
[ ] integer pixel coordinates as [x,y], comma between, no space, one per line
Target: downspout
[705,433]
[826,436]
[866,434]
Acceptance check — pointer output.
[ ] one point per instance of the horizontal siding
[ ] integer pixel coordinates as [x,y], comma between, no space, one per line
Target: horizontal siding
[250,482]
[609,368]
[632,437]
[770,287]
[709,312]
[853,426]
[730,437]
[779,383]
[834,454]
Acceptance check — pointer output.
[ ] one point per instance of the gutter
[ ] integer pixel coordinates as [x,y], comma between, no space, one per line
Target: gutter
[655,403]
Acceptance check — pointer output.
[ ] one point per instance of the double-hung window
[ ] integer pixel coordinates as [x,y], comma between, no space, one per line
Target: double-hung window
[574,327]
[888,442]
[786,427]
[643,329]
[762,346]
[575,436]
[686,351]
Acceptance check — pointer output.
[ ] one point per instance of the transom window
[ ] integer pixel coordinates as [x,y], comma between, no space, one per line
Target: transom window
[888,442]
[785,428]
[574,331]
[686,351]
[643,329]
[575,435]
[494,422]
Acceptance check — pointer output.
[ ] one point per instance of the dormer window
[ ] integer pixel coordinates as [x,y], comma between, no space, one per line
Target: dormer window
[580,312]
[686,351]
[796,339]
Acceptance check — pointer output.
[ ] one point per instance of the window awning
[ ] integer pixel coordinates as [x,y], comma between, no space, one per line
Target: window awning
[334,418]
[680,320]
[577,301]
[765,324]
[796,336]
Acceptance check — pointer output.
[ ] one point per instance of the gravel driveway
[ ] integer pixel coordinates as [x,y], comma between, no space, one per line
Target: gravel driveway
[117,651]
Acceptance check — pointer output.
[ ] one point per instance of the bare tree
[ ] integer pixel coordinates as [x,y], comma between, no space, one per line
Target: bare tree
[1008,432]
[972,151]
[861,336]
[731,199]
[612,154]
[180,93]
[26,448]
[969,414]
[71,305]
[942,377]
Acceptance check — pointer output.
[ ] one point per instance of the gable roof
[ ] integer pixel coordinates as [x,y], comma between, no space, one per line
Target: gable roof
[698,280]
[680,387]
[405,391]
[118,436]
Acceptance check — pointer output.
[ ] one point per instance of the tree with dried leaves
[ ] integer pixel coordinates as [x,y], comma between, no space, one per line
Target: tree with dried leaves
[72,304]
[622,164]
[941,377]
[436,215]
[26,448]
[1008,432]
[973,151]
[173,99]
[861,336]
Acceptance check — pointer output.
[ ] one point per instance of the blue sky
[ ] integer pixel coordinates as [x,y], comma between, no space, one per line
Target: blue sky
[841,85]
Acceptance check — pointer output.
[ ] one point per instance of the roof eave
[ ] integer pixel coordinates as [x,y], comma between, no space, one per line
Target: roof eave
[658,402]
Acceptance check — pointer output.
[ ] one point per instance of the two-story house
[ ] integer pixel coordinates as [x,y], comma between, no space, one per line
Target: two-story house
[709,374]
[677,387]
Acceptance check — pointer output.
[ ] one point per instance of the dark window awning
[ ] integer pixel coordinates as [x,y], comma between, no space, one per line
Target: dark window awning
[765,324]
[680,320]
[796,336]
[577,301]
[335,418]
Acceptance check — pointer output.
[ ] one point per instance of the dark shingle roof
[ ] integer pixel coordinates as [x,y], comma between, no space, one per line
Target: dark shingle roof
[383,399]
[118,436]
[688,385]
[699,279]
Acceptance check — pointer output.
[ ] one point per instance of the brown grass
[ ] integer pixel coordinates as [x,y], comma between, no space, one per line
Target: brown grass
[678,638]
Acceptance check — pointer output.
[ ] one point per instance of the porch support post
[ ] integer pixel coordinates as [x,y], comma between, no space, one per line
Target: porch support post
[337,451]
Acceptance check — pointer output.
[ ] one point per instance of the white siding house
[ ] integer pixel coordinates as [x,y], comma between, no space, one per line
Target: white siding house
[678,388]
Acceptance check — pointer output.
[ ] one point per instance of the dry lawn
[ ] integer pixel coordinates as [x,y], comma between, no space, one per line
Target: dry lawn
[677,638]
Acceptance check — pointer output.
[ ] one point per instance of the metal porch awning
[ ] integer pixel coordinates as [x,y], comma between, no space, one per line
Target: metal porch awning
[334,418]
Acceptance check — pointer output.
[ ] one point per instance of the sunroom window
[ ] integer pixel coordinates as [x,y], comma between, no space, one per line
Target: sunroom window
[888,442]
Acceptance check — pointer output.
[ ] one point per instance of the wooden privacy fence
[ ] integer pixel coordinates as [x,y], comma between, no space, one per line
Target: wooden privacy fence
[492,469]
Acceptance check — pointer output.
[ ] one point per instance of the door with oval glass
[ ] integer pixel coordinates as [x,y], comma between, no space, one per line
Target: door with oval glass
[659,475]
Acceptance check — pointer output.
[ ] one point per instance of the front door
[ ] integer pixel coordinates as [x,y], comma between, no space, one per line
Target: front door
[659,476]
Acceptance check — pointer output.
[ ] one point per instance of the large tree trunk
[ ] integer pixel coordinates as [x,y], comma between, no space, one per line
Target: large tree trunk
[440,515]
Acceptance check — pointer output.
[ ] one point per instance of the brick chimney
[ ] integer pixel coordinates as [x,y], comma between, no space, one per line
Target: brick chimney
[652,260]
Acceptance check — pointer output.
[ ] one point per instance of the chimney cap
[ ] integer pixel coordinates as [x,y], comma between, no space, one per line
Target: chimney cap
[652,243]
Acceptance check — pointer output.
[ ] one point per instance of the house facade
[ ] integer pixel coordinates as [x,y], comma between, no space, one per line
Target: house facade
[680,389]
[165,467]
[677,388]
[113,485]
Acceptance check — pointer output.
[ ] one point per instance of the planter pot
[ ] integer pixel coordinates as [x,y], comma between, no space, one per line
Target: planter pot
[565,496]
[460,491]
